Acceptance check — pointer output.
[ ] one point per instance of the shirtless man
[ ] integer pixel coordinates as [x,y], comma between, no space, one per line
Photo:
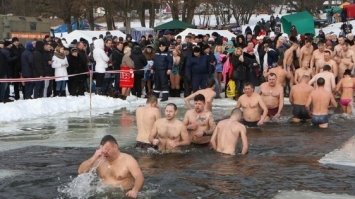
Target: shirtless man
[318,57]
[339,47]
[303,70]
[272,95]
[280,73]
[253,107]
[329,61]
[298,98]
[115,168]
[327,76]
[199,122]
[320,99]
[169,133]
[208,93]
[288,61]
[306,52]
[146,116]
[226,134]
[347,61]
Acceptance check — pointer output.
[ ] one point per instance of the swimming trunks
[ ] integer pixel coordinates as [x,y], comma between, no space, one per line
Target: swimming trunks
[320,119]
[175,70]
[345,102]
[300,112]
[272,112]
[250,124]
[143,145]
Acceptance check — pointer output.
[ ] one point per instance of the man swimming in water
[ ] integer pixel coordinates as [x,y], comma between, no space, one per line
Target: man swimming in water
[320,99]
[298,98]
[226,134]
[115,168]
[146,116]
[169,133]
[254,109]
[199,122]
[273,96]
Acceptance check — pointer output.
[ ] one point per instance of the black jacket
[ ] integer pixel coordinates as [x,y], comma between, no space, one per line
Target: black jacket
[38,60]
[139,60]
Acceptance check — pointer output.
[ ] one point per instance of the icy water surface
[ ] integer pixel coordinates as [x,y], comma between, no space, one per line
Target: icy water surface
[39,159]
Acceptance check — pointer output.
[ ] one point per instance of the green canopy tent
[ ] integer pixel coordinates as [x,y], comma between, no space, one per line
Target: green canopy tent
[303,21]
[174,25]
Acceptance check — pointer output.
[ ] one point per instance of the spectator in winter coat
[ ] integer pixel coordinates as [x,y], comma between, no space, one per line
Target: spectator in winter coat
[199,66]
[139,61]
[60,64]
[26,69]
[101,60]
[76,84]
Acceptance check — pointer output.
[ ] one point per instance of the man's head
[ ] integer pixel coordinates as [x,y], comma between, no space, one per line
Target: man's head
[199,103]
[321,46]
[170,111]
[236,113]
[248,89]
[320,82]
[271,78]
[327,68]
[152,101]
[109,147]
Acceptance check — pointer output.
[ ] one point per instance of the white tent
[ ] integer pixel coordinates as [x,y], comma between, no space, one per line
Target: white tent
[88,35]
[224,33]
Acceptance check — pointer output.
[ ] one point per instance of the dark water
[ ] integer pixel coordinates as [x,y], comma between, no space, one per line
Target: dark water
[281,157]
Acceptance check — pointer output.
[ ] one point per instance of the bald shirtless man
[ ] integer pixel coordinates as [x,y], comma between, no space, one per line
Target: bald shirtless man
[208,93]
[318,57]
[328,76]
[306,52]
[298,98]
[320,99]
[226,135]
[115,168]
[272,95]
[169,133]
[347,59]
[280,73]
[339,47]
[199,122]
[146,116]
[253,107]
[304,70]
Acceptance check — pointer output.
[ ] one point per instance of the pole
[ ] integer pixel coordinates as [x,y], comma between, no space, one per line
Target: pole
[90,90]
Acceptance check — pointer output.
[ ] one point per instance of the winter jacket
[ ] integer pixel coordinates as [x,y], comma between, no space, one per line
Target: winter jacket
[38,60]
[27,61]
[100,56]
[162,61]
[139,60]
[198,65]
[60,68]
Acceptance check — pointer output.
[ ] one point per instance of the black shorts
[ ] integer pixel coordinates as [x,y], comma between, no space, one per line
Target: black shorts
[143,145]
[250,124]
[300,112]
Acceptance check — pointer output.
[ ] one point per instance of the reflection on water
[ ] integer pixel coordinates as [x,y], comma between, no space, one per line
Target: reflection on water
[281,157]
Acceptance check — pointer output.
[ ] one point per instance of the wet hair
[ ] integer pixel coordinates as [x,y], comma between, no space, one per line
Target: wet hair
[199,97]
[108,138]
[320,81]
[272,74]
[327,67]
[248,84]
[236,111]
[152,99]
[320,43]
[173,105]
[347,72]
[211,82]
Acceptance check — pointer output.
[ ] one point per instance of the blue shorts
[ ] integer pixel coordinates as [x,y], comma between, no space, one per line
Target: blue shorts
[320,119]
[219,68]
[147,74]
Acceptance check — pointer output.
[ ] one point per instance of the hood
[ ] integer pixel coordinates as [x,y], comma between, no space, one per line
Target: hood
[137,50]
[99,44]
[29,46]
[39,46]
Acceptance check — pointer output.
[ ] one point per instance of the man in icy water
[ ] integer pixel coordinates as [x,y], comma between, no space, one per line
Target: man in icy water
[208,93]
[320,98]
[146,116]
[169,133]
[225,136]
[199,121]
[254,108]
[115,168]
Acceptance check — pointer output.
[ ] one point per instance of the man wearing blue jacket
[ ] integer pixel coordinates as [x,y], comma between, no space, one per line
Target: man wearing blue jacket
[163,62]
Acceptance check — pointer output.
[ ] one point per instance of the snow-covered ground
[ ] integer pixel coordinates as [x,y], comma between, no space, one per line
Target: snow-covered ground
[344,156]
[310,195]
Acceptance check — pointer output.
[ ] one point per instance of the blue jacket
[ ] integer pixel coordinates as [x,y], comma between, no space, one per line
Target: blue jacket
[198,65]
[162,61]
[27,61]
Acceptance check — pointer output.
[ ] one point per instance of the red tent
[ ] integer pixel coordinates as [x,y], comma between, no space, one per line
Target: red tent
[350,11]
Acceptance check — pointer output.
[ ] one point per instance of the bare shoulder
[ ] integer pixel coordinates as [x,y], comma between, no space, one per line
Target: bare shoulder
[127,157]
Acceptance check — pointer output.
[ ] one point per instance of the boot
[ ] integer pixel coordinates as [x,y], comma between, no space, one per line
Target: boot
[63,94]
[177,92]
[56,93]
[165,97]
[156,94]
[98,91]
